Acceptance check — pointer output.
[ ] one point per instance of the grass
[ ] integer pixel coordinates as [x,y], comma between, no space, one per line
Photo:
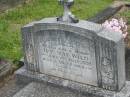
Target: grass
[12,20]
[125,14]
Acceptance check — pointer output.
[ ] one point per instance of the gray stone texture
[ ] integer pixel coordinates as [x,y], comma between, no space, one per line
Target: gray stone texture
[24,76]
[5,69]
[46,90]
[128,68]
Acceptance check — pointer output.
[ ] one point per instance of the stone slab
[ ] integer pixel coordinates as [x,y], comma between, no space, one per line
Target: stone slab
[25,76]
[67,55]
[44,90]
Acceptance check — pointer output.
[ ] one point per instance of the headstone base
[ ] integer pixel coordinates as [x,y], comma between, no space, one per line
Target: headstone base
[44,90]
[22,75]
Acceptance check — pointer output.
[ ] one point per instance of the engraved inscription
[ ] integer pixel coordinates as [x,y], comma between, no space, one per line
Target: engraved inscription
[66,58]
[67,55]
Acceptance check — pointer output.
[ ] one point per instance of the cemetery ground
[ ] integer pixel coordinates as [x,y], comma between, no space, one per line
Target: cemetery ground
[11,21]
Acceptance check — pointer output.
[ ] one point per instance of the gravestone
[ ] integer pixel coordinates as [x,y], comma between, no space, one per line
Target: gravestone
[76,54]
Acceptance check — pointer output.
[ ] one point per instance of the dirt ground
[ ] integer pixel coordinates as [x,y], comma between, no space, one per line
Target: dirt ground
[7,4]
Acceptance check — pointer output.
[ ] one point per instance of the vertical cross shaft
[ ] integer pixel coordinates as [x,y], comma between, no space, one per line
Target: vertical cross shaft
[67,15]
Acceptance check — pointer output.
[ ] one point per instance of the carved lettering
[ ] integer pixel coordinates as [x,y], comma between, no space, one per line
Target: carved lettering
[70,57]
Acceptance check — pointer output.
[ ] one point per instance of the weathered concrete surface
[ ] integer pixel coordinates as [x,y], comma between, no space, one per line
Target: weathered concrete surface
[24,76]
[45,90]
[10,88]
[128,68]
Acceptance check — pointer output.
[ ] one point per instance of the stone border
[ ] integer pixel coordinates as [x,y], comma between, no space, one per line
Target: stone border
[5,70]
[24,76]
[108,12]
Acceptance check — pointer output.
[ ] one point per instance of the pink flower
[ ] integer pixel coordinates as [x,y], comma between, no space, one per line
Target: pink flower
[117,26]
[107,24]
[115,22]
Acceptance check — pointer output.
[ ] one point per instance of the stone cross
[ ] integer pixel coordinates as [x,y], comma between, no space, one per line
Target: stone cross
[67,15]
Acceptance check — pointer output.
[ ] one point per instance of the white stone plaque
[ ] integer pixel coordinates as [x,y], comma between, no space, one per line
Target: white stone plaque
[67,55]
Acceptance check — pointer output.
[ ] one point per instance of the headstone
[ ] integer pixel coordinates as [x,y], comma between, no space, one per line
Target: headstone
[80,55]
